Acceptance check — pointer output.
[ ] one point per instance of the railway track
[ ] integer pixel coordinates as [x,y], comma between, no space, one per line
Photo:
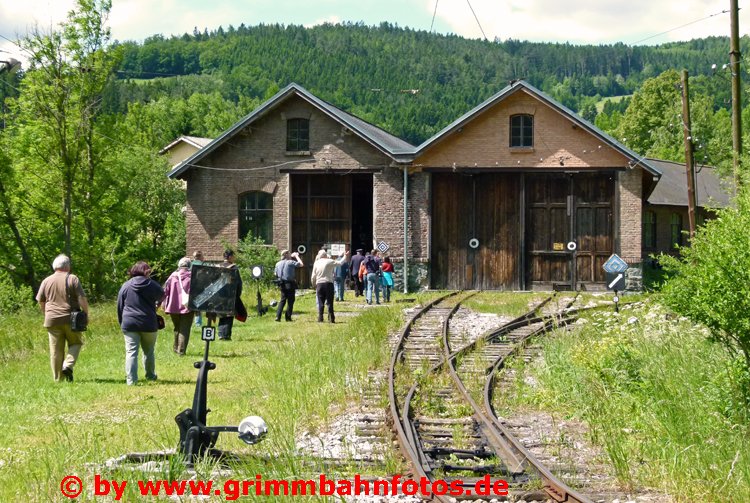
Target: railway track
[440,393]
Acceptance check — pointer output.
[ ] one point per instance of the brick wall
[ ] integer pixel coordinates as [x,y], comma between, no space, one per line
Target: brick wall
[629,189]
[253,159]
[484,142]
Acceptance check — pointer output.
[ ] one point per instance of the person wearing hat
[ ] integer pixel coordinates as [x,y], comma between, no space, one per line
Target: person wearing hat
[285,274]
[176,291]
[356,261]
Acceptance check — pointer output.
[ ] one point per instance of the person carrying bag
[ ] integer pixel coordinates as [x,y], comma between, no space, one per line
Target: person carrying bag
[63,302]
[175,304]
[79,320]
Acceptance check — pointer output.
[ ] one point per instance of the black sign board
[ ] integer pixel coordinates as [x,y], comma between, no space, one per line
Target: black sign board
[615,281]
[213,289]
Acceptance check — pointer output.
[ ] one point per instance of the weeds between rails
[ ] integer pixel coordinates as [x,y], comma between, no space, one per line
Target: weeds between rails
[485,447]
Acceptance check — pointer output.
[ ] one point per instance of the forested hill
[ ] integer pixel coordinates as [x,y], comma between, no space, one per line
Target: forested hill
[409,82]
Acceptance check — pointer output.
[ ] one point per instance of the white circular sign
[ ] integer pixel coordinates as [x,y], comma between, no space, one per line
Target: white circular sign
[301,249]
[572,246]
[474,243]
[257,271]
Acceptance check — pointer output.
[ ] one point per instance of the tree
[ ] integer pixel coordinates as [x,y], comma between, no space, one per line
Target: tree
[652,124]
[78,179]
[60,97]
[711,282]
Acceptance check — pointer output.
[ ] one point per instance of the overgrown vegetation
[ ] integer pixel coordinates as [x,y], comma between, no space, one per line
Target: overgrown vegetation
[710,283]
[667,405]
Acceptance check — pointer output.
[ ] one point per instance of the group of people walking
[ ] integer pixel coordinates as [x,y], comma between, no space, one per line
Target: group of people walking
[141,296]
[138,300]
[370,274]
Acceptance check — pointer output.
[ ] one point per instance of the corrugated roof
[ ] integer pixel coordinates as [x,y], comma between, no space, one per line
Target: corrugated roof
[380,139]
[671,189]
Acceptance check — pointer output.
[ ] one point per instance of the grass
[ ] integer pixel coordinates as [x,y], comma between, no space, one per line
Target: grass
[512,304]
[615,99]
[665,403]
[292,374]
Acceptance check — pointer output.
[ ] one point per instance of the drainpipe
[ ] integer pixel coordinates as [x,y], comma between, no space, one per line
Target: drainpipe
[406,229]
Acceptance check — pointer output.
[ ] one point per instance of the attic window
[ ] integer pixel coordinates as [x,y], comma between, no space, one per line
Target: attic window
[522,131]
[297,135]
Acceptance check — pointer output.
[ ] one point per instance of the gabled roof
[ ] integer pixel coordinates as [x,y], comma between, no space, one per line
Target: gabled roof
[671,189]
[194,141]
[519,86]
[378,138]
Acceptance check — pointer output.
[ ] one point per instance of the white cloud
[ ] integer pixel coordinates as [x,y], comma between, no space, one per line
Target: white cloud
[579,21]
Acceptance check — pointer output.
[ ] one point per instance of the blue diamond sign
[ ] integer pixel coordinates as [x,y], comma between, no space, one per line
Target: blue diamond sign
[615,264]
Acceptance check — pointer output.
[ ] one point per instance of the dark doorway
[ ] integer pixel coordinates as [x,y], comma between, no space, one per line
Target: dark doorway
[361,212]
[329,209]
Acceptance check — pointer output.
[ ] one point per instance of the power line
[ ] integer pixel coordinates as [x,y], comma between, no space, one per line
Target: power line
[434,13]
[475,17]
[678,27]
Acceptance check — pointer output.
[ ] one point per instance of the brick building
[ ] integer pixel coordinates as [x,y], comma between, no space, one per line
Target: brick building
[518,193]
[665,209]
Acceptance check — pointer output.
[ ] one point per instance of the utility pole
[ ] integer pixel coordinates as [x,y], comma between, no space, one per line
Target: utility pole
[734,65]
[689,163]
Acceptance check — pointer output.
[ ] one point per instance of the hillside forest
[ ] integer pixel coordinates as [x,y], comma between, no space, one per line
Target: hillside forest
[81,124]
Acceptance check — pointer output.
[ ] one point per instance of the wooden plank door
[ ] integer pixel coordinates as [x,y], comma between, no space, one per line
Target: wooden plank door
[593,197]
[482,207]
[548,230]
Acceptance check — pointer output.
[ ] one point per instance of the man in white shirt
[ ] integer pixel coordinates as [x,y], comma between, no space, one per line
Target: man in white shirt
[322,277]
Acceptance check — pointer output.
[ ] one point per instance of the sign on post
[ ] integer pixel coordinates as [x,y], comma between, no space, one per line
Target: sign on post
[208,333]
[337,249]
[615,264]
[615,281]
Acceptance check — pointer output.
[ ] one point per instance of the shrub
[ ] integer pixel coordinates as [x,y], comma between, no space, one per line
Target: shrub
[710,283]
[253,251]
[13,297]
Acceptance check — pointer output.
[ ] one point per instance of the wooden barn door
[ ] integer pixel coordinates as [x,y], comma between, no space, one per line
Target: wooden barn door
[548,230]
[480,207]
[321,213]
[594,195]
[563,209]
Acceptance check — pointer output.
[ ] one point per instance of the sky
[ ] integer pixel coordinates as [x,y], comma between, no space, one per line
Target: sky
[575,21]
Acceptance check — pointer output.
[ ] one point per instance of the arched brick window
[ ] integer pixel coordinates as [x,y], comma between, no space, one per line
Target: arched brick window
[256,215]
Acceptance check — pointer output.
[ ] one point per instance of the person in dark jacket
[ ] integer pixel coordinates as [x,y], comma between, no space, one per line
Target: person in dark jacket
[136,312]
[354,272]
[226,322]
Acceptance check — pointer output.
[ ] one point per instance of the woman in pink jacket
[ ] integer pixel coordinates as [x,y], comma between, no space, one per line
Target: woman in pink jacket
[176,291]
